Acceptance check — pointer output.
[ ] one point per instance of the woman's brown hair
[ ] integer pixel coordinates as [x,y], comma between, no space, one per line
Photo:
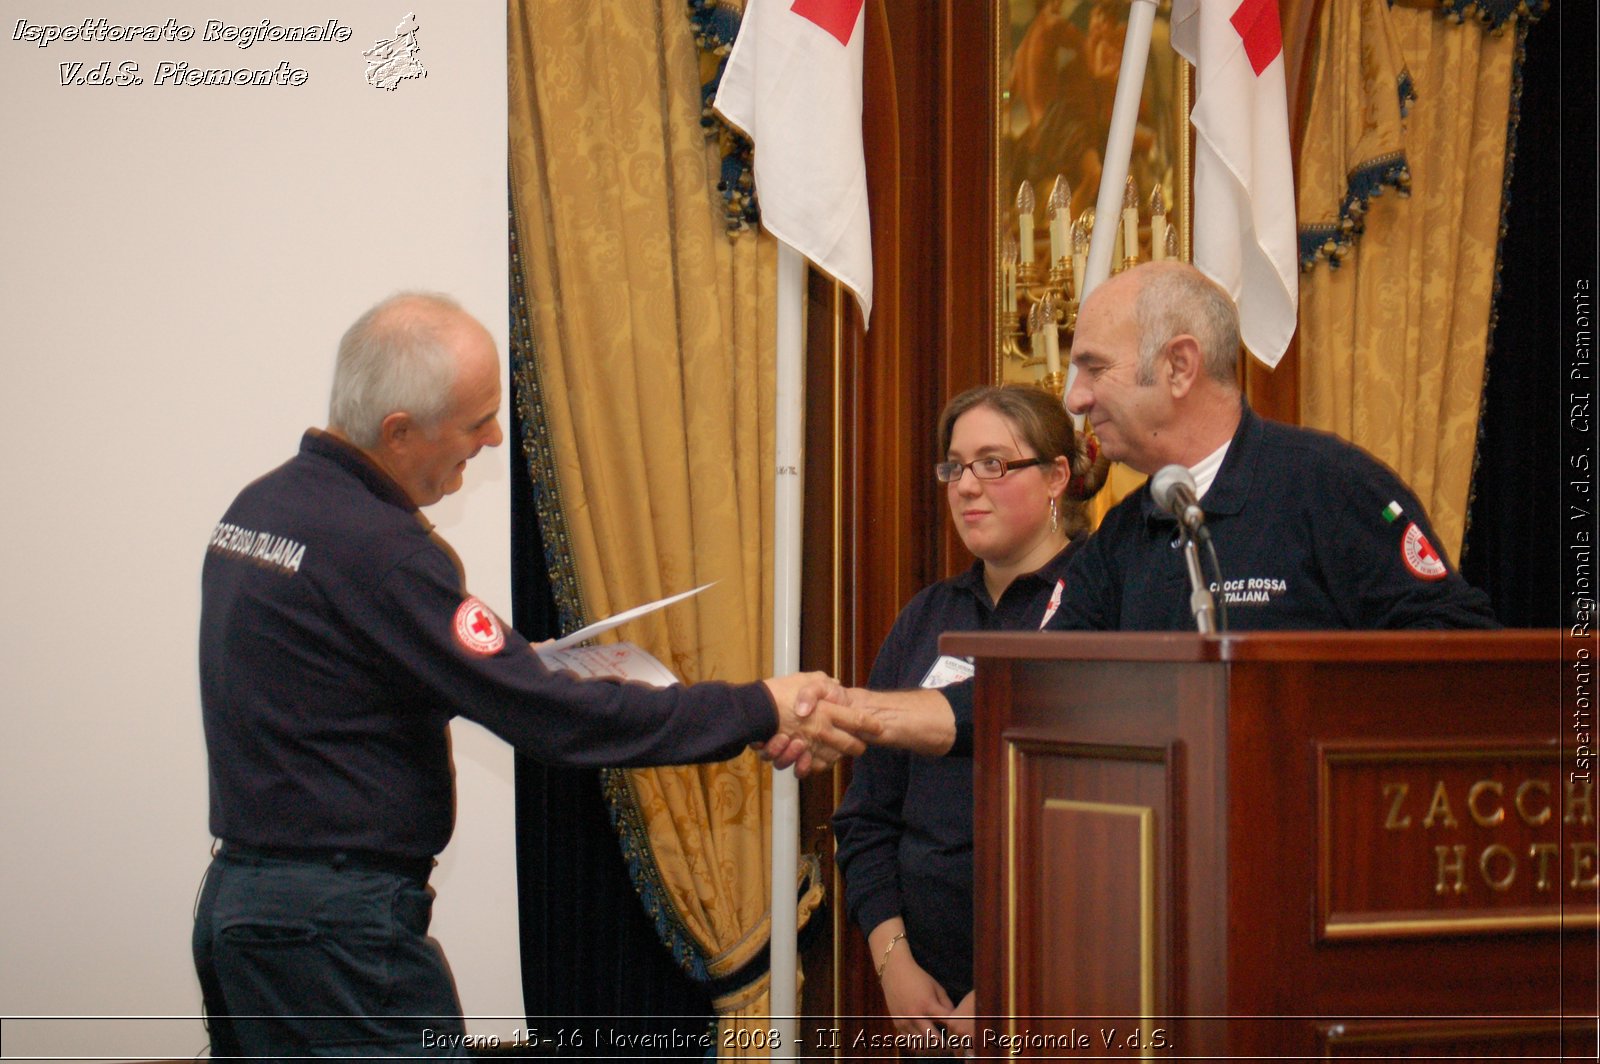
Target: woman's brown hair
[1045,426]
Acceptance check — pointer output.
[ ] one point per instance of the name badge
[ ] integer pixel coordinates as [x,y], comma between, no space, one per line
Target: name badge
[948,670]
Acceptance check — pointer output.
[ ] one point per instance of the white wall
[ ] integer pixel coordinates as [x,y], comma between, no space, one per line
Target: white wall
[176,266]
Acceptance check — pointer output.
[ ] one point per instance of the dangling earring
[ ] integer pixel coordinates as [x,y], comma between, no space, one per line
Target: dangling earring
[1055,516]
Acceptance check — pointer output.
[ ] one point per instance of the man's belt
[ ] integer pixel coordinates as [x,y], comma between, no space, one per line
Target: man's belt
[418,868]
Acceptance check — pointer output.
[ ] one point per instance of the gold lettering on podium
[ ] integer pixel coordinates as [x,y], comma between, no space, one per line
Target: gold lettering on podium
[1439,805]
[1542,852]
[1584,876]
[1397,793]
[1456,838]
[1477,790]
[1580,802]
[1454,866]
[1489,855]
[1530,818]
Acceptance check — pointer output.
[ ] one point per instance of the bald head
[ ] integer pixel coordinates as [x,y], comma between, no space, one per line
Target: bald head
[1169,299]
[1156,349]
[401,355]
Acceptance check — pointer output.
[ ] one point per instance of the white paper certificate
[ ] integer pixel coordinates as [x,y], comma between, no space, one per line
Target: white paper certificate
[621,660]
[590,631]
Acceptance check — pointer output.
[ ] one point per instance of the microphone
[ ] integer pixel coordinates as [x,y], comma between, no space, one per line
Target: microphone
[1173,489]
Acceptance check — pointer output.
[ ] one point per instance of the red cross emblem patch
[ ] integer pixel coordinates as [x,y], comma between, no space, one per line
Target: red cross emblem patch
[1420,557]
[478,629]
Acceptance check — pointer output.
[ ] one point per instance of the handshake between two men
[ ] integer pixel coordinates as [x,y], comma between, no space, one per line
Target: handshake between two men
[820,720]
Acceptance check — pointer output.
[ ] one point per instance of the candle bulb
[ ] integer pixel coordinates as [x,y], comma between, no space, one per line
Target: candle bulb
[1060,207]
[1080,252]
[1052,338]
[1158,224]
[1130,221]
[1008,273]
[1025,206]
[1172,241]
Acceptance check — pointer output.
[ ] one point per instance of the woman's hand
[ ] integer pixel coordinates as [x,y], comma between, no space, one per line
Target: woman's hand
[960,1020]
[917,1003]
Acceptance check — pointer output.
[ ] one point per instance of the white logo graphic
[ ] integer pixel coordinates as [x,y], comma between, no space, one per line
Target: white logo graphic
[393,61]
[1055,603]
[478,629]
[1252,590]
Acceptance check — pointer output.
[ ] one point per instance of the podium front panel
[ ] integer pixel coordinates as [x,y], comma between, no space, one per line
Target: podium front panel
[1329,845]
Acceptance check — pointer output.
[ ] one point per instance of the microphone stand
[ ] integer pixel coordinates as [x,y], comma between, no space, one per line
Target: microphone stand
[1201,603]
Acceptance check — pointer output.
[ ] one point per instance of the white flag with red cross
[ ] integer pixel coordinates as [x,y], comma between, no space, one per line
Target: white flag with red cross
[792,84]
[1244,220]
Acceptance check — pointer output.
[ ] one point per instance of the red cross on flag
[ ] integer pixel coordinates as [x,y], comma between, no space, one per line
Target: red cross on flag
[792,84]
[1244,220]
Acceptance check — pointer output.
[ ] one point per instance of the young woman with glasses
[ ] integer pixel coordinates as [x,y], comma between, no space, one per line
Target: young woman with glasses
[1015,478]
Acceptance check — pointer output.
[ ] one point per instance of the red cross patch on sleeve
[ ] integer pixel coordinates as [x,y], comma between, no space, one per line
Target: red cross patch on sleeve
[1420,557]
[478,629]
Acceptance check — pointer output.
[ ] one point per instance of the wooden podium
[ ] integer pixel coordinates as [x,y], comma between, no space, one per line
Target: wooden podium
[1316,845]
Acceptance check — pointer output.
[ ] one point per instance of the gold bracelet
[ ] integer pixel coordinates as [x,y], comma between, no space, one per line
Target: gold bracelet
[884,963]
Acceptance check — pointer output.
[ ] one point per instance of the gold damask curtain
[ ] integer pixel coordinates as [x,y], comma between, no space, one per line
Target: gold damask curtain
[1400,186]
[654,341]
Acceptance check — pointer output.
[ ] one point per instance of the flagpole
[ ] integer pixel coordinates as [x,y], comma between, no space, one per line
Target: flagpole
[789,453]
[792,84]
[1119,147]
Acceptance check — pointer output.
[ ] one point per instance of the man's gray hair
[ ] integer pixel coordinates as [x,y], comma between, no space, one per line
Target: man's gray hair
[394,358]
[1179,299]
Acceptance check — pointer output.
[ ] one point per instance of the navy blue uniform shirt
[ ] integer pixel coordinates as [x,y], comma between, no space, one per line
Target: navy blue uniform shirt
[1306,538]
[904,828]
[336,643]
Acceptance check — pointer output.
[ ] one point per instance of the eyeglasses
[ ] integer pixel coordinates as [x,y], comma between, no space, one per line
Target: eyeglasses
[982,468]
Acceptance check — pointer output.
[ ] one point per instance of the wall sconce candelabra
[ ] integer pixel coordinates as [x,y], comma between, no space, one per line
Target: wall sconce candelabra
[1039,301]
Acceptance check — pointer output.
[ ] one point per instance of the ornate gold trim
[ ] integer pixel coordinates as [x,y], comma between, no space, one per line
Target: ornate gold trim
[1011,888]
[841,919]
[1183,209]
[1186,165]
[1347,929]
[1146,817]
[998,14]
[1421,1031]
[1389,753]
[838,475]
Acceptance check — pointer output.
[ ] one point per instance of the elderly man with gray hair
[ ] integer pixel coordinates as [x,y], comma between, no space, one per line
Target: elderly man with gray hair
[1310,531]
[337,642]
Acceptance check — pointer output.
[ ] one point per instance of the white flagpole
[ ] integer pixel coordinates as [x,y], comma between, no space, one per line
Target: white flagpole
[789,452]
[1119,146]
